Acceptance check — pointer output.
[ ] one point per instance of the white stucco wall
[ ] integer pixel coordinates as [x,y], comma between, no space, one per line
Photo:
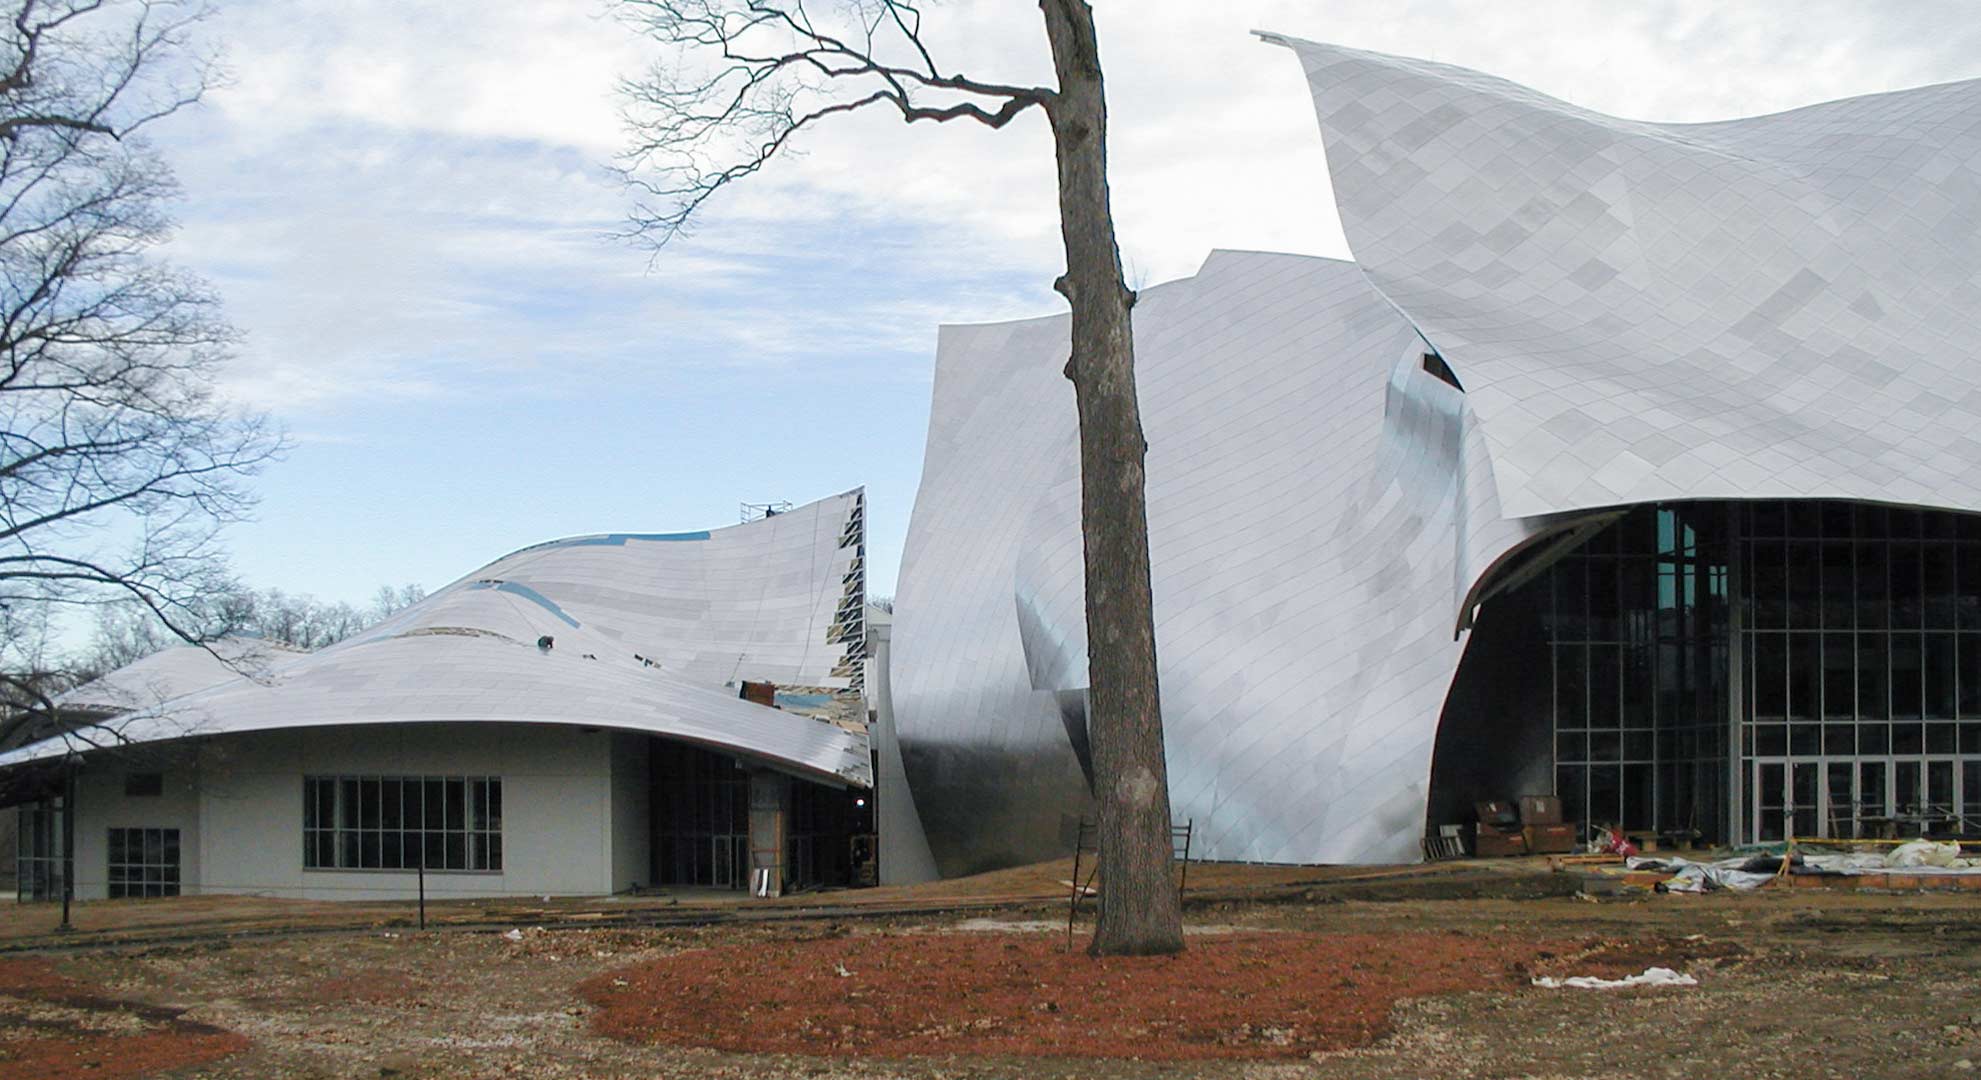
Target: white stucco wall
[238,806]
[102,806]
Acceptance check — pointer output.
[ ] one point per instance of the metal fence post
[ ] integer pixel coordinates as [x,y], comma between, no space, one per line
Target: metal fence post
[68,843]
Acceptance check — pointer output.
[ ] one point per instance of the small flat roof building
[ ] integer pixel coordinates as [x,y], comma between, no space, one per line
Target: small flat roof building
[566,719]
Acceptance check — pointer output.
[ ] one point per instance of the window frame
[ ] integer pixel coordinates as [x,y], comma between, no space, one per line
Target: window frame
[155,878]
[460,833]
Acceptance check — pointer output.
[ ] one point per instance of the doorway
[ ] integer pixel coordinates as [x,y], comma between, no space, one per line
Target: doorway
[1862,797]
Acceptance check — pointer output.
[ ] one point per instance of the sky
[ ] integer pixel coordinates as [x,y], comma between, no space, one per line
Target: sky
[408,209]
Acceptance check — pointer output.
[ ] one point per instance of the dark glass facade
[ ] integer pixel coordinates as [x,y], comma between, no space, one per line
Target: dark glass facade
[38,856]
[1862,652]
[701,817]
[1637,626]
[1851,693]
[701,821]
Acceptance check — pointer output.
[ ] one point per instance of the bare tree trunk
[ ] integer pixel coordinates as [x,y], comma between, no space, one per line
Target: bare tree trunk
[1140,913]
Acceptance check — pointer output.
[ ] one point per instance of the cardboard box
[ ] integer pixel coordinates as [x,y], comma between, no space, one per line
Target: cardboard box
[1549,839]
[1488,842]
[1540,810]
[1495,812]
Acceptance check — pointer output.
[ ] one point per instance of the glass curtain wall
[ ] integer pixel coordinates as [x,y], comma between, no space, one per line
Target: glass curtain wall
[822,821]
[701,817]
[38,858]
[1862,656]
[1637,625]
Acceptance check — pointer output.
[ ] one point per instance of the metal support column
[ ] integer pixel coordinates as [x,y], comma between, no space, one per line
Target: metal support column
[69,771]
[770,803]
[1735,671]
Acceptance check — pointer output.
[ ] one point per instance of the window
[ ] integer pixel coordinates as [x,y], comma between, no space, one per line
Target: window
[38,854]
[1435,364]
[144,862]
[701,817]
[402,822]
[144,785]
[1637,627]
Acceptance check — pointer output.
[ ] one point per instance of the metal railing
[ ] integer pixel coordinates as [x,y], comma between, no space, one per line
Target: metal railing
[1087,842]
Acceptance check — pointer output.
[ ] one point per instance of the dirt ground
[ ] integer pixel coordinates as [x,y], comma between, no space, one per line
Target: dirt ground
[1005,988]
[34,925]
[1798,983]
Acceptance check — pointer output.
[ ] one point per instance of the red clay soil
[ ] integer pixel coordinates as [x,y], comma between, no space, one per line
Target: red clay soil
[55,1028]
[899,995]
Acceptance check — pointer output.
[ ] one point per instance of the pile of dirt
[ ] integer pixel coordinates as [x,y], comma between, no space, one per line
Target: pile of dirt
[55,1028]
[898,995]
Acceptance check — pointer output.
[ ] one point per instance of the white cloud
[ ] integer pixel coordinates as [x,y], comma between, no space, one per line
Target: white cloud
[404,205]
[408,198]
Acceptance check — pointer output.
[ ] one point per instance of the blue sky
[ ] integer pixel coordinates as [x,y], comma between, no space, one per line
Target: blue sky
[405,207]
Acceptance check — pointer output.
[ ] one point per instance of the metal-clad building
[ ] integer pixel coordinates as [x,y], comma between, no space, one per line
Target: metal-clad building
[1629,461]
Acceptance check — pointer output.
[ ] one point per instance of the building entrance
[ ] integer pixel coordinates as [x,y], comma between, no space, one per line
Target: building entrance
[1740,672]
[1858,797]
[701,817]
[716,820]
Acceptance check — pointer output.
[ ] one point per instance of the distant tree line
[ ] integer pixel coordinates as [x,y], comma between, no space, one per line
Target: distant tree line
[126,632]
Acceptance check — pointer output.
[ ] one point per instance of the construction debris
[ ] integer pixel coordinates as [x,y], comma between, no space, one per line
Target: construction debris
[1656,976]
[1943,854]
[1919,860]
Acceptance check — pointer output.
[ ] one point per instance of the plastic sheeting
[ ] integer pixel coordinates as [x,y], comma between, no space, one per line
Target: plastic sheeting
[1743,872]
[1657,976]
[1943,854]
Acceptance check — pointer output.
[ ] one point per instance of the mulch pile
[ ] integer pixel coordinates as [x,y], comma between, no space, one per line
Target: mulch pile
[898,995]
[55,1028]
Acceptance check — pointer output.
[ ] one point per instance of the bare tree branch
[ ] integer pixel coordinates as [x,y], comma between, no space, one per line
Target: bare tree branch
[776,73]
[119,463]
[773,71]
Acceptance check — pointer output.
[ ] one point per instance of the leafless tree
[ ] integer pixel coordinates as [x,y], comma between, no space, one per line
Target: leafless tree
[118,463]
[739,80]
[28,689]
[304,622]
[126,631]
[388,600]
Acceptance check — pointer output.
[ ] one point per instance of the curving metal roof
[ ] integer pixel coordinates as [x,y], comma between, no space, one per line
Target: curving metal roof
[1772,307]
[649,632]
[1764,308]
[174,671]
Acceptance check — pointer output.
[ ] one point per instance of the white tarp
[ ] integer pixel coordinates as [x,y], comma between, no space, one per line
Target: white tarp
[1945,855]
[1744,872]
[1657,976]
